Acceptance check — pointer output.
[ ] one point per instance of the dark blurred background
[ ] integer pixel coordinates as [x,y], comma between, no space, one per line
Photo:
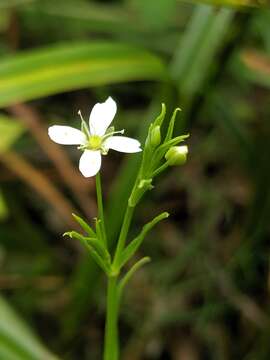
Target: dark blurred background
[205,295]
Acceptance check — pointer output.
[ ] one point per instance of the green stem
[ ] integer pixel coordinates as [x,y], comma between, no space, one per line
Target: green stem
[100,207]
[111,350]
[123,235]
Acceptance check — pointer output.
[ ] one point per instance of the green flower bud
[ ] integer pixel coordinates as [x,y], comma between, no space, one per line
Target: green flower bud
[155,137]
[176,155]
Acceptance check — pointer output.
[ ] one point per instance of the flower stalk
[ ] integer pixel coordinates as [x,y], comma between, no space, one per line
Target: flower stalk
[100,208]
[122,237]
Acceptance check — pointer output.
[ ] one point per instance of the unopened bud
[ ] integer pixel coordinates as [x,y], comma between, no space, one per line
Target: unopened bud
[155,137]
[177,155]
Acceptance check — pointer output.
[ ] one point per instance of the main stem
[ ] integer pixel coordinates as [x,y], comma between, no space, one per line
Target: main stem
[111,347]
[100,206]
[111,350]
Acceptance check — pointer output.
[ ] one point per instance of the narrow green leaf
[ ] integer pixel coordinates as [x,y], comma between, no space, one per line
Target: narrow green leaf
[135,244]
[210,43]
[159,120]
[11,130]
[148,149]
[95,248]
[171,125]
[98,259]
[91,243]
[87,228]
[233,3]
[63,67]
[100,248]
[198,46]
[74,234]
[90,15]
[4,211]
[123,282]
[190,41]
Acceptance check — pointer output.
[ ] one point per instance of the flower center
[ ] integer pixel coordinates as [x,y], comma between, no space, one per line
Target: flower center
[95,142]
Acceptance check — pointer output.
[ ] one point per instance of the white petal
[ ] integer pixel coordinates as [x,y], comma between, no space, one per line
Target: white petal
[90,163]
[66,135]
[123,144]
[101,116]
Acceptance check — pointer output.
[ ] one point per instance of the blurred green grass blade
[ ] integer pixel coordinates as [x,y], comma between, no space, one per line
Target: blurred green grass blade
[12,3]
[192,62]
[92,16]
[252,66]
[208,47]
[3,207]
[190,41]
[156,14]
[34,74]
[234,3]
[76,20]
[16,340]
[11,131]
[261,26]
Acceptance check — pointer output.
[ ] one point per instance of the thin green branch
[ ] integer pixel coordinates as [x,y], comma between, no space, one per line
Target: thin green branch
[100,208]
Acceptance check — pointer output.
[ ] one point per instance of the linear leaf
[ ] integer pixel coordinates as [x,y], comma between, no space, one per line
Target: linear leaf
[87,228]
[11,131]
[95,248]
[63,67]
[131,272]
[16,340]
[135,244]
[233,3]
[198,46]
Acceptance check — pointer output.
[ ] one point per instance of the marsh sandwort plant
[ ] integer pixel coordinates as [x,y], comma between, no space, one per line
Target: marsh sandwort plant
[95,139]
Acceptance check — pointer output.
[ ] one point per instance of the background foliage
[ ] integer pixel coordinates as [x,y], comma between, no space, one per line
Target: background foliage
[206,293]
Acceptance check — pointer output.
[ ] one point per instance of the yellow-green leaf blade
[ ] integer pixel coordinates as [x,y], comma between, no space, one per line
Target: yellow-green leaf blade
[34,74]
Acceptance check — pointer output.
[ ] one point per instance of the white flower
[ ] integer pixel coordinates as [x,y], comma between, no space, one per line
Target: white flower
[96,139]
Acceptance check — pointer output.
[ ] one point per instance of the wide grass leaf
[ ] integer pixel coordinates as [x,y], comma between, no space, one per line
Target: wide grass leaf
[17,341]
[11,130]
[63,67]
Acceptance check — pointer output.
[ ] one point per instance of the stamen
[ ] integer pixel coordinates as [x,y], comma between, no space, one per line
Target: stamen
[84,126]
[112,133]
[80,115]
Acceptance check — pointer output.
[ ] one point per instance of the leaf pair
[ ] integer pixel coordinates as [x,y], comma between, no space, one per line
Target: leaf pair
[93,242]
